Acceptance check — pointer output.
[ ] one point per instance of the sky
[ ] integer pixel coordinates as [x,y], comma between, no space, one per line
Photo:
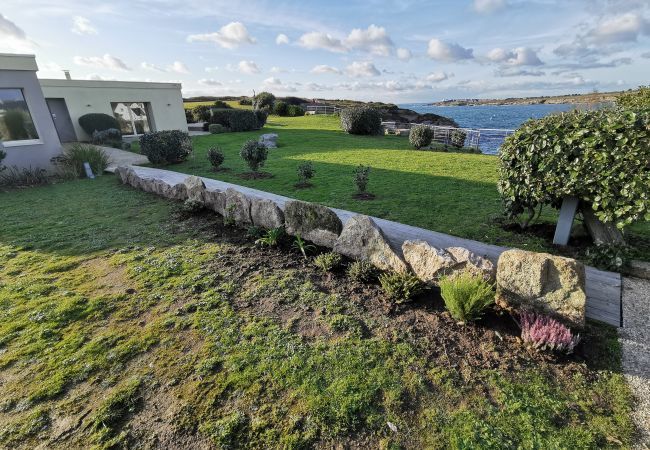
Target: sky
[383,50]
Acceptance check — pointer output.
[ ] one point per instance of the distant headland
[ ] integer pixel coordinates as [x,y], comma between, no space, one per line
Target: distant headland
[591,98]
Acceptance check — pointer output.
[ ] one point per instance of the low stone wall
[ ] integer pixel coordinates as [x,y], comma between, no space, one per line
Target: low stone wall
[527,280]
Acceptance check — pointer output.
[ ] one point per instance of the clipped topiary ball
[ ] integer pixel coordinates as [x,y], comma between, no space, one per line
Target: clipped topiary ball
[420,136]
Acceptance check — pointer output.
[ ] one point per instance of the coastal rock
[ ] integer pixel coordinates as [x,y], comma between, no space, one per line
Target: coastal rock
[266,214]
[237,207]
[538,281]
[361,238]
[427,262]
[313,222]
[270,140]
[195,188]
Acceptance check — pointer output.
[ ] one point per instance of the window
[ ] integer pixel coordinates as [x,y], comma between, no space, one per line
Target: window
[16,122]
[132,117]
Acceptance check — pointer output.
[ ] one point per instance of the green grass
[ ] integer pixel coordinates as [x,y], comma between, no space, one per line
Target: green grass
[111,305]
[453,193]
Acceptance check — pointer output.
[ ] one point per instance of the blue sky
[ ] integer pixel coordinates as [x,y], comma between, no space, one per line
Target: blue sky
[398,51]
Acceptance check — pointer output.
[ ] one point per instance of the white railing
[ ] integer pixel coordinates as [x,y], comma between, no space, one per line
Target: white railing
[321,109]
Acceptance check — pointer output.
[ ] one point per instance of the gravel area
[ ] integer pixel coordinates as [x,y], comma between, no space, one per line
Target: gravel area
[635,340]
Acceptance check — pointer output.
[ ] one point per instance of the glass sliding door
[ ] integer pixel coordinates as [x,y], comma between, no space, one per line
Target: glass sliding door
[132,117]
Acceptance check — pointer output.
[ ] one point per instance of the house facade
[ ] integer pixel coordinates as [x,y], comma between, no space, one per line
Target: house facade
[37,116]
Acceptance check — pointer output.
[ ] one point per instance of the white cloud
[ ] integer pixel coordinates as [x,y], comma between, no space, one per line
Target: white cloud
[210,82]
[437,77]
[449,52]
[277,85]
[516,72]
[322,41]
[282,39]
[103,62]
[520,56]
[12,38]
[277,69]
[248,67]
[404,54]
[362,69]
[229,36]
[211,69]
[373,40]
[488,6]
[178,67]
[81,25]
[149,66]
[624,28]
[324,68]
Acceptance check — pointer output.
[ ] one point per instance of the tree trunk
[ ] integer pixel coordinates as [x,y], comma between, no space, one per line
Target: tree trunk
[601,232]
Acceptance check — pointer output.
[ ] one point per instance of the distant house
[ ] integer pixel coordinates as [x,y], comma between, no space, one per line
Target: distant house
[36,116]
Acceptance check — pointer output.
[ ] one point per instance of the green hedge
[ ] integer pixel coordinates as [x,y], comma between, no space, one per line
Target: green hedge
[601,157]
[166,147]
[238,119]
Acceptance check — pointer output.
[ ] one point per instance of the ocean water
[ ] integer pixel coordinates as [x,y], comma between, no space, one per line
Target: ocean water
[490,119]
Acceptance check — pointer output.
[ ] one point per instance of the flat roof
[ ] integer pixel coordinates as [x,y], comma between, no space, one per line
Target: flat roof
[102,84]
[16,61]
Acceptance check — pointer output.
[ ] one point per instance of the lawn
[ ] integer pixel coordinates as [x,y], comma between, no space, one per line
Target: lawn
[453,193]
[126,324]
[232,103]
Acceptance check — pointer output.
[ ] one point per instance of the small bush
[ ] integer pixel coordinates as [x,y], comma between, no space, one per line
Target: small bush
[238,119]
[328,262]
[361,177]
[280,108]
[189,116]
[23,177]
[76,155]
[201,113]
[216,157]
[261,117]
[362,120]
[546,333]
[221,105]
[466,295]
[271,238]
[254,154]
[192,206]
[295,111]
[97,122]
[166,147]
[400,287]
[245,101]
[305,173]
[614,257]
[362,271]
[216,128]
[263,100]
[420,136]
[457,138]
[110,137]
[254,232]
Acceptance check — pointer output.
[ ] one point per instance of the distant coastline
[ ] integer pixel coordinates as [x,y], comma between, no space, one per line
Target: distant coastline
[592,98]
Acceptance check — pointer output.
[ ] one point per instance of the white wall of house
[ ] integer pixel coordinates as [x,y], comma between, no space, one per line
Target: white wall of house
[164,100]
[19,72]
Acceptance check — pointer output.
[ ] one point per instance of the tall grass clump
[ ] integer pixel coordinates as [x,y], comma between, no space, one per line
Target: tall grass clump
[73,158]
[466,296]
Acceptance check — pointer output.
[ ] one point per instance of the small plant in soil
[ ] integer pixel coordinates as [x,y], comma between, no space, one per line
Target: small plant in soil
[400,287]
[191,206]
[305,173]
[361,178]
[216,158]
[271,238]
[253,232]
[466,296]
[229,217]
[303,246]
[362,271]
[546,333]
[328,262]
[255,154]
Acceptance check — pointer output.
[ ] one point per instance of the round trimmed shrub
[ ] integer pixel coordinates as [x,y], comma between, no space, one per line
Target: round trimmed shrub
[254,153]
[166,147]
[216,157]
[362,120]
[600,157]
[420,136]
[458,137]
[281,108]
[97,122]
[216,128]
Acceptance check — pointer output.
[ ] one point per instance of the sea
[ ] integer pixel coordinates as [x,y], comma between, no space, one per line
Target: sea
[495,122]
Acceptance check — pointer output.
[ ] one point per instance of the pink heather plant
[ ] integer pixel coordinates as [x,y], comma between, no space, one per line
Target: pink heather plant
[546,333]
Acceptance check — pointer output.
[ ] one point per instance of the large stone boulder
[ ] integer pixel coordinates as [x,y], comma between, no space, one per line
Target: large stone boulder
[238,207]
[215,200]
[266,214]
[313,222]
[195,188]
[270,140]
[538,281]
[361,238]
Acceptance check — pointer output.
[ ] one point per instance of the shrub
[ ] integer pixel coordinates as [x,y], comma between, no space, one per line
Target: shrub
[280,108]
[216,128]
[400,287]
[420,136]
[23,177]
[272,237]
[263,100]
[237,119]
[97,122]
[111,137]
[328,262]
[638,99]
[189,116]
[73,158]
[192,206]
[221,105]
[245,101]
[216,157]
[254,154]
[362,271]
[457,138]
[600,157]
[614,257]
[466,295]
[361,177]
[201,113]
[362,120]
[305,172]
[293,101]
[546,333]
[295,111]
[166,147]
[261,117]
